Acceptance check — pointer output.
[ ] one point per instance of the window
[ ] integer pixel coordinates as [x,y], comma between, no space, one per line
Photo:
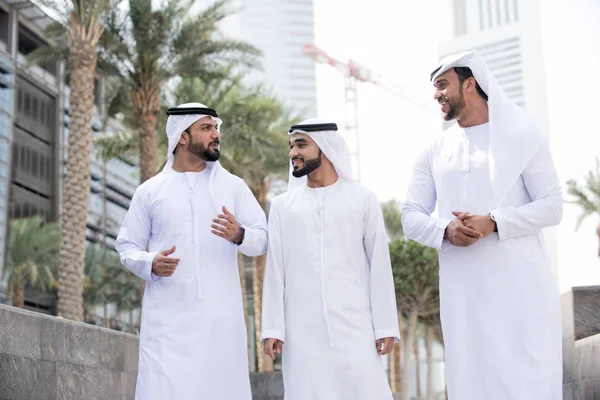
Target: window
[27,107]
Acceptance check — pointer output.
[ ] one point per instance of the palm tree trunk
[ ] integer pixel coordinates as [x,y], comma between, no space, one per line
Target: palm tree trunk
[408,343]
[258,273]
[429,345]
[74,210]
[242,273]
[146,107]
[18,294]
[147,128]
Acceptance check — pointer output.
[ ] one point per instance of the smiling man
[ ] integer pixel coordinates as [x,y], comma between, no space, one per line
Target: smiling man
[496,188]
[329,303]
[192,218]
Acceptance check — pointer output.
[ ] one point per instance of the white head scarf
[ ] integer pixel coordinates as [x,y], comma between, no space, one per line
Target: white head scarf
[514,136]
[177,124]
[332,144]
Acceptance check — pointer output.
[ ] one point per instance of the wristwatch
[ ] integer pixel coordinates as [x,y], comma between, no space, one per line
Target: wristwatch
[242,238]
[494,221]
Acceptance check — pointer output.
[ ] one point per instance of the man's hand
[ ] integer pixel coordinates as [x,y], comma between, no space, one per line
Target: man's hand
[226,226]
[163,265]
[272,346]
[460,235]
[384,346]
[480,223]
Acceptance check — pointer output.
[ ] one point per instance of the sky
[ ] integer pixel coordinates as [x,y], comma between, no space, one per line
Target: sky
[402,45]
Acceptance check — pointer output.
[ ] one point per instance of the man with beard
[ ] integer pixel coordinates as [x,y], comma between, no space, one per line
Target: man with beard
[496,188]
[328,289]
[181,235]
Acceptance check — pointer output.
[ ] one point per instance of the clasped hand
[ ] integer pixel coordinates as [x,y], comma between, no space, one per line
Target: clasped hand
[468,228]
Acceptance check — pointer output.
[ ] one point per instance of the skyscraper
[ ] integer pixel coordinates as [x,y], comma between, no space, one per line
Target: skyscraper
[279,29]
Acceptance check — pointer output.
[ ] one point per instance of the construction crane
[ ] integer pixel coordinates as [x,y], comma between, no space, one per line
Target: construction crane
[353,73]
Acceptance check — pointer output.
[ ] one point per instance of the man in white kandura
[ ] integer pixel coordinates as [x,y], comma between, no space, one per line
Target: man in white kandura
[192,217]
[496,188]
[328,289]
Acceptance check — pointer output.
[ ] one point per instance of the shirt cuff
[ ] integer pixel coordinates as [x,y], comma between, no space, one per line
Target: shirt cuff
[500,223]
[442,224]
[272,334]
[147,271]
[387,333]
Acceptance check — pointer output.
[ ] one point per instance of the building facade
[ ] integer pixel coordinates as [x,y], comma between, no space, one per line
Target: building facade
[34,117]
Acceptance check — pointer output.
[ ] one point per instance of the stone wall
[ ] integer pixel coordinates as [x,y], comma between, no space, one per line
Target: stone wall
[581,343]
[45,357]
[49,358]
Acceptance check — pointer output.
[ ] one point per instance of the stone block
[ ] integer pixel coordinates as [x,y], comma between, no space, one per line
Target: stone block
[586,311]
[83,382]
[128,382]
[19,332]
[53,346]
[26,378]
[82,349]
[131,347]
[266,384]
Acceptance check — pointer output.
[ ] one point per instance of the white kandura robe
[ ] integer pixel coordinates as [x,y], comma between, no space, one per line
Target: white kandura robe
[193,335]
[329,292]
[499,299]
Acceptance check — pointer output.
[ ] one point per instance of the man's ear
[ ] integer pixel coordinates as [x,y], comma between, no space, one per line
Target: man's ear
[183,139]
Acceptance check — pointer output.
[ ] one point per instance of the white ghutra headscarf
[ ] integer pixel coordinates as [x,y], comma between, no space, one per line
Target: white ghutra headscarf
[332,144]
[514,136]
[180,120]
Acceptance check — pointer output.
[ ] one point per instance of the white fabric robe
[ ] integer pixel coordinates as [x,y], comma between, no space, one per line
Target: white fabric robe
[193,335]
[329,292]
[500,305]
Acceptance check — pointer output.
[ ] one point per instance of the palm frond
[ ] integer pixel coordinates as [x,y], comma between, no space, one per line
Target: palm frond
[116,145]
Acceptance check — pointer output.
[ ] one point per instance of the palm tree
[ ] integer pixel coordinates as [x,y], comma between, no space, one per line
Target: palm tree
[77,38]
[32,253]
[149,45]
[587,196]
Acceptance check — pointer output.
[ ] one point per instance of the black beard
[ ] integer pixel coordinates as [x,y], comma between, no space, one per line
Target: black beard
[455,107]
[204,153]
[309,166]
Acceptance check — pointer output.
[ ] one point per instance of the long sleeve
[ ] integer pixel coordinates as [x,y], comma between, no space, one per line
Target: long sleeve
[417,222]
[382,291]
[273,317]
[542,184]
[252,218]
[133,238]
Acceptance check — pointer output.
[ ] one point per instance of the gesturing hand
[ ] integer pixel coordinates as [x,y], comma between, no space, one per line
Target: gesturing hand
[272,346]
[227,227]
[162,265]
[480,223]
[460,235]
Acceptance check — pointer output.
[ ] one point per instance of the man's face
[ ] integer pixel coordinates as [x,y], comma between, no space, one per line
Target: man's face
[305,155]
[202,139]
[449,94]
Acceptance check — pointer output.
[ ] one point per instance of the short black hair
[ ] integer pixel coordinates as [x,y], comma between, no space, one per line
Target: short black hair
[465,73]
